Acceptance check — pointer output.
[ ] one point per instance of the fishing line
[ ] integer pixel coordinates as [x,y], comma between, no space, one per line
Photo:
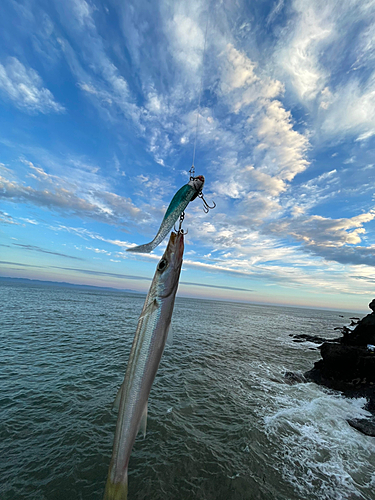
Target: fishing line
[192,170]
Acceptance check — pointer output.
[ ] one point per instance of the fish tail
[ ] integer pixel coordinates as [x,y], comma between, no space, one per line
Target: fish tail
[165,227]
[116,491]
[146,248]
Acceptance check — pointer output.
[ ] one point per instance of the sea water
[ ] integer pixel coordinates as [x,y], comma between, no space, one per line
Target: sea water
[223,424]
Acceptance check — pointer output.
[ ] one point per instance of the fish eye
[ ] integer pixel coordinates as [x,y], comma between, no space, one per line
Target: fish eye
[162,265]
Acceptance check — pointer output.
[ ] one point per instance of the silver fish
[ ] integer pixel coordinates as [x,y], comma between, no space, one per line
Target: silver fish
[179,202]
[145,355]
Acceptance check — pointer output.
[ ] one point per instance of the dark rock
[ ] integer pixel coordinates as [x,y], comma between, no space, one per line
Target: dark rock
[348,365]
[347,362]
[294,378]
[370,405]
[364,425]
[364,332]
[344,367]
[304,337]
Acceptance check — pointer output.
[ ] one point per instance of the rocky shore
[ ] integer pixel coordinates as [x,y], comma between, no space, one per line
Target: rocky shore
[348,365]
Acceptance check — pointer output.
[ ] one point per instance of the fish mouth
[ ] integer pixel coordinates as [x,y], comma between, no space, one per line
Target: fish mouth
[175,245]
[174,253]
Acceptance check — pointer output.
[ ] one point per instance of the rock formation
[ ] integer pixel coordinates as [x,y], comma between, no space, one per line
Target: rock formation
[348,365]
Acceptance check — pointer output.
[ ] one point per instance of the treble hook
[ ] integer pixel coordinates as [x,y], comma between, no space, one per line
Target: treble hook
[206,206]
[180,230]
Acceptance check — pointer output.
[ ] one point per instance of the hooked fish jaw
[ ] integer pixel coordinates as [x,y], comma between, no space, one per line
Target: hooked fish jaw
[175,246]
[169,265]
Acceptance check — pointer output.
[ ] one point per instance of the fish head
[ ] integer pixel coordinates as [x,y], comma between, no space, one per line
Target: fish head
[169,266]
[197,183]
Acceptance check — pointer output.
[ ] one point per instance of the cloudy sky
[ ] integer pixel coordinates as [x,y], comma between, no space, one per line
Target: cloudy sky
[98,116]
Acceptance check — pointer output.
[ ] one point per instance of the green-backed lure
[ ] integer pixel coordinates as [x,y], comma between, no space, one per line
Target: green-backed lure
[179,202]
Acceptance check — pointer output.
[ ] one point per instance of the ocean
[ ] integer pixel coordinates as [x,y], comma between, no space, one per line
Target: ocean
[223,424]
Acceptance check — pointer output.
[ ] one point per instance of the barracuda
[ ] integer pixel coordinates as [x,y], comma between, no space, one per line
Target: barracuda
[144,359]
[179,202]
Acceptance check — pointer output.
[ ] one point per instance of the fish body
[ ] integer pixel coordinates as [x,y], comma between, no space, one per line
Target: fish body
[145,355]
[179,202]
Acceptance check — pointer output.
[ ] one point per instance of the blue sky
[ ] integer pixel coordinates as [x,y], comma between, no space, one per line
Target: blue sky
[98,105]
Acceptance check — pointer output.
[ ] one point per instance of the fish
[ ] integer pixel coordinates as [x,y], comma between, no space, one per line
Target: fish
[147,349]
[179,202]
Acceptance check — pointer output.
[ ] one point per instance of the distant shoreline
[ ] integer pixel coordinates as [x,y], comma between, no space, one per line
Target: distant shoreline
[27,281]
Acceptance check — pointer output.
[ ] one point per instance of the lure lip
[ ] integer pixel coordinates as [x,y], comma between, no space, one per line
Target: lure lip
[197,183]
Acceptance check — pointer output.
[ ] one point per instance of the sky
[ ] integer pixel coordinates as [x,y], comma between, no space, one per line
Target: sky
[99,102]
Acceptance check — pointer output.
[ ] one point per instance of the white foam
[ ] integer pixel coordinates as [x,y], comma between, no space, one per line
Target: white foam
[319,453]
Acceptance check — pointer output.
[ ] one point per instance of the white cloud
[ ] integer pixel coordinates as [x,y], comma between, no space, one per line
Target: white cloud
[269,258]
[94,70]
[299,54]
[25,88]
[352,110]
[99,205]
[323,266]
[86,234]
[187,38]
[82,12]
[30,221]
[99,250]
[240,70]
[333,239]
[6,218]
[239,79]
[327,98]
[313,49]
[250,145]
[277,8]
[279,154]
[332,232]
[265,128]
[306,196]
[154,104]
[285,147]
[265,182]
[365,52]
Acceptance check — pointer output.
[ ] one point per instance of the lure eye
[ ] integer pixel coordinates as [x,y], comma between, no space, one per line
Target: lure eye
[162,265]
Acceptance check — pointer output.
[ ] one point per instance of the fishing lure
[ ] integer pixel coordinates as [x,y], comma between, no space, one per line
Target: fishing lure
[179,202]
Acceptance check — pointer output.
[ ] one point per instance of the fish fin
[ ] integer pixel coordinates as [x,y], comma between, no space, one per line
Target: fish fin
[143,425]
[116,403]
[116,491]
[169,340]
[150,309]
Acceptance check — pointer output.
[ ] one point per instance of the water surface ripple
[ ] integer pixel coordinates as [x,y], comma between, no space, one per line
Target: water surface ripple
[222,425]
